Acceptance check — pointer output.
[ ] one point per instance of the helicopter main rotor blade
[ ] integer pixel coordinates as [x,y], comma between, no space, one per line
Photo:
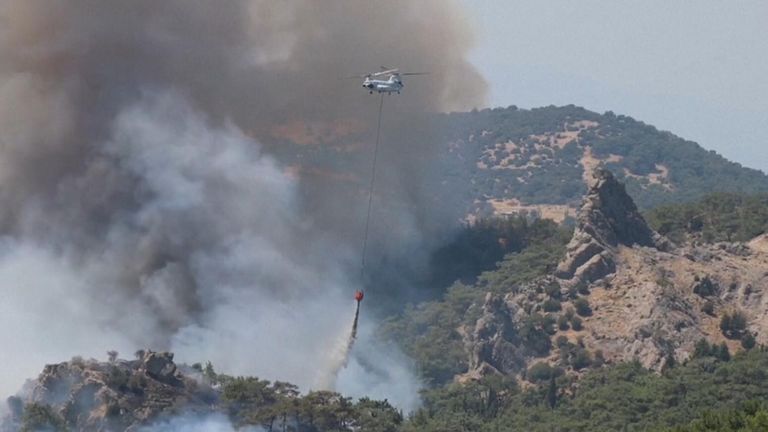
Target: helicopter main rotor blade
[367,75]
[414,73]
[385,72]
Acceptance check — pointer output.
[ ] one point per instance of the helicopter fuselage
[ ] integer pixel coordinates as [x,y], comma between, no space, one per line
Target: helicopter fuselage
[391,85]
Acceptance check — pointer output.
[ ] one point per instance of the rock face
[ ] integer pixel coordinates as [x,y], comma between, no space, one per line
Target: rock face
[160,366]
[608,218]
[647,299]
[493,344]
[112,396]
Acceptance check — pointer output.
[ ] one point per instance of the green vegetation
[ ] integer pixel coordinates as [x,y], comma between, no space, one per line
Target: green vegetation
[716,217]
[536,172]
[623,397]
[751,417]
[733,324]
[479,246]
[552,305]
[576,323]
[250,401]
[705,349]
[582,307]
[428,332]
[40,417]
[541,372]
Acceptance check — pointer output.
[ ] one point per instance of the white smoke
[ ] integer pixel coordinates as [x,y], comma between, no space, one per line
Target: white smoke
[379,371]
[137,210]
[192,423]
[270,296]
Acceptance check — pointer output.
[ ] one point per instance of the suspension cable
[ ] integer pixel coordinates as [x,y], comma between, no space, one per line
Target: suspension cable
[370,191]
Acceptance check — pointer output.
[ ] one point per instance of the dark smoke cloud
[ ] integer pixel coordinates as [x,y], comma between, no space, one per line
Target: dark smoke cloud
[134,190]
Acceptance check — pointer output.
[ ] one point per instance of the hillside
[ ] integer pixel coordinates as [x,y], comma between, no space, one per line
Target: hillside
[620,326]
[618,291]
[152,393]
[510,160]
[609,326]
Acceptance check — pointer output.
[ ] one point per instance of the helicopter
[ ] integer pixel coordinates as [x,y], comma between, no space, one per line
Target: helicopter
[375,81]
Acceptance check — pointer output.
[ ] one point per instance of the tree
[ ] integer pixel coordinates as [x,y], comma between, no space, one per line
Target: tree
[733,324]
[722,352]
[542,371]
[553,290]
[581,359]
[748,341]
[551,305]
[40,417]
[708,308]
[582,307]
[552,393]
[701,349]
[576,323]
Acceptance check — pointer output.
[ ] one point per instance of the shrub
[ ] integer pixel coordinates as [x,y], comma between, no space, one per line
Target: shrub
[534,331]
[733,324]
[581,359]
[576,324]
[582,307]
[137,383]
[748,341]
[553,290]
[562,323]
[705,287]
[598,359]
[539,372]
[708,308]
[40,417]
[582,288]
[722,353]
[701,349]
[117,378]
[552,305]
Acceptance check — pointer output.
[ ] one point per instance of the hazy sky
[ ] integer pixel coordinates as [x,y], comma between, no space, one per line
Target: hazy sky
[696,68]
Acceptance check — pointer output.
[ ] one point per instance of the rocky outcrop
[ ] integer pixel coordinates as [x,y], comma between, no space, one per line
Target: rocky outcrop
[608,218]
[160,366]
[113,395]
[645,299]
[492,344]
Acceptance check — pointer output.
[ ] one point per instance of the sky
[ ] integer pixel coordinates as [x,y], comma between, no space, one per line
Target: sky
[696,68]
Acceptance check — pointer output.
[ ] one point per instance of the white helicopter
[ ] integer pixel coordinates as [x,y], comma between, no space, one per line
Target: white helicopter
[392,84]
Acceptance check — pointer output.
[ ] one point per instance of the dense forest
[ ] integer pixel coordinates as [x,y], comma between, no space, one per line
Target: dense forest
[428,333]
[621,397]
[716,217]
[525,166]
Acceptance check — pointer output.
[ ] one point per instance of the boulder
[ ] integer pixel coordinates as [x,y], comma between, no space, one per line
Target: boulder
[159,365]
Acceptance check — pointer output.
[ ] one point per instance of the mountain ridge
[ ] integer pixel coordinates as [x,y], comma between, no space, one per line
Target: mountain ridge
[540,160]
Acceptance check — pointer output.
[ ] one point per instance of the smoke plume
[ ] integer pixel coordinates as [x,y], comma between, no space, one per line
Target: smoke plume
[142,203]
[338,357]
[196,423]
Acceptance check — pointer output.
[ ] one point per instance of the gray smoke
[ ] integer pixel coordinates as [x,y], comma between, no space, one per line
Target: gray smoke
[139,205]
[197,423]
